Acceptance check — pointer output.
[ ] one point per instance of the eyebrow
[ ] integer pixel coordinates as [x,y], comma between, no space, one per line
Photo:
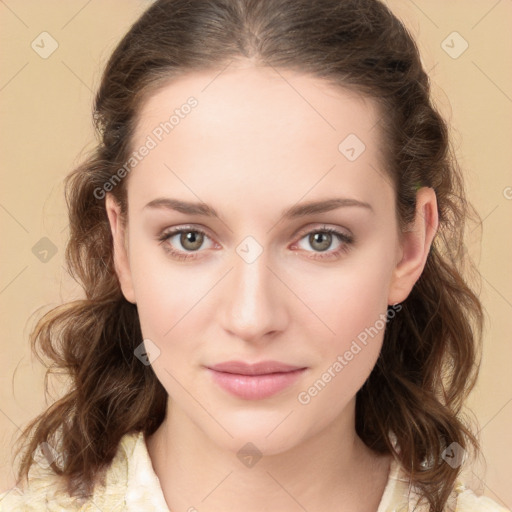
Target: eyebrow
[295,211]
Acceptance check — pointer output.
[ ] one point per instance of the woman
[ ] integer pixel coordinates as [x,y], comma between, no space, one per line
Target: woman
[221,359]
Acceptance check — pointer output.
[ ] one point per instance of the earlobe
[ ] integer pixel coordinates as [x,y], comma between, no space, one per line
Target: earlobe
[415,246]
[121,260]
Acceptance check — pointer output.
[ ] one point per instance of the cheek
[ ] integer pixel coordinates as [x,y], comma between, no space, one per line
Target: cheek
[355,310]
[165,290]
[345,301]
[352,304]
[167,300]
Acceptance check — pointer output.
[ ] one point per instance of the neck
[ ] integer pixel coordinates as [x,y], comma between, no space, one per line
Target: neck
[329,471]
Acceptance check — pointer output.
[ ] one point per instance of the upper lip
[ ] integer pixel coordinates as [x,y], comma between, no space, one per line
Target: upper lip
[261,368]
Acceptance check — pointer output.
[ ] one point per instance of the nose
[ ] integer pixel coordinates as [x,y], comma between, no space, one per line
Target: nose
[253,304]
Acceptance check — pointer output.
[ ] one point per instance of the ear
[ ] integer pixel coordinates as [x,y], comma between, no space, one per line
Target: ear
[121,260]
[415,245]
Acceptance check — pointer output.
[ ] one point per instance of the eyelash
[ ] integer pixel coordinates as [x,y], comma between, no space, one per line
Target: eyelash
[346,240]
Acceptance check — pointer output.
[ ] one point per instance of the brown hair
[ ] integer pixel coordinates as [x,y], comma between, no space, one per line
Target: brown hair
[430,355]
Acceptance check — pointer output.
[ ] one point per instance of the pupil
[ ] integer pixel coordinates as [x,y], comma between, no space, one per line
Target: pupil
[317,237]
[191,237]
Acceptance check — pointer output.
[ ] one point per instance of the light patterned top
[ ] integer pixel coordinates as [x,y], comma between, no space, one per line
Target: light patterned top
[131,485]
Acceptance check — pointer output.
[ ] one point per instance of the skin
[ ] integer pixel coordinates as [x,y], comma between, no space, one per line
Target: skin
[252,147]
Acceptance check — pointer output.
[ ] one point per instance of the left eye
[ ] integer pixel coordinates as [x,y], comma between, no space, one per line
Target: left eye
[322,240]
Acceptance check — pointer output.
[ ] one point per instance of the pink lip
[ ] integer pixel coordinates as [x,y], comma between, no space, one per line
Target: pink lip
[262,368]
[255,381]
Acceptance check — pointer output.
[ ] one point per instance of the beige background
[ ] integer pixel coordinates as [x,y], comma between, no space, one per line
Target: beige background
[45,107]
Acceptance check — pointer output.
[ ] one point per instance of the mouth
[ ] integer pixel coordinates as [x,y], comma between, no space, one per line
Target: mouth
[255,381]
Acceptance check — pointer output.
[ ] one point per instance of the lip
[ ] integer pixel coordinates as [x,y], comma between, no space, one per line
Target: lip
[255,381]
[261,368]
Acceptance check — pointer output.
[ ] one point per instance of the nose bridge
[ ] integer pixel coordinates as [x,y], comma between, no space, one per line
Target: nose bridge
[251,303]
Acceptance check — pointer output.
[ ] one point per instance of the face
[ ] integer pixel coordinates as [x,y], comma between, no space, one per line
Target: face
[264,279]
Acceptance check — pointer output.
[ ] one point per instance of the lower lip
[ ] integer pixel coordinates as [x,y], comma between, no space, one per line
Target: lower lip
[255,387]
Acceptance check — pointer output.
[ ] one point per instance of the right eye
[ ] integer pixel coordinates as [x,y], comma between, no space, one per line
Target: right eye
[190,239]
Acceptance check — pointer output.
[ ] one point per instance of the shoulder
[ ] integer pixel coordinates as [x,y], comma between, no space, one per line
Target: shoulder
[44,489]
[46,494]
[468,501]
[399,495]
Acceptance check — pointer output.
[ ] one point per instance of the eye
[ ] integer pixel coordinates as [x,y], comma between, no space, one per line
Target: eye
[322,239]
[190,239]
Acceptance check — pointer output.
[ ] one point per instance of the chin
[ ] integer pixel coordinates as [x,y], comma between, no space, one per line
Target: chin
[268,431]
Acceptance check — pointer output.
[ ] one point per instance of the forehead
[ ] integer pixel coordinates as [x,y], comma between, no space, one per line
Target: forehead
[262,100]
[257,130]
